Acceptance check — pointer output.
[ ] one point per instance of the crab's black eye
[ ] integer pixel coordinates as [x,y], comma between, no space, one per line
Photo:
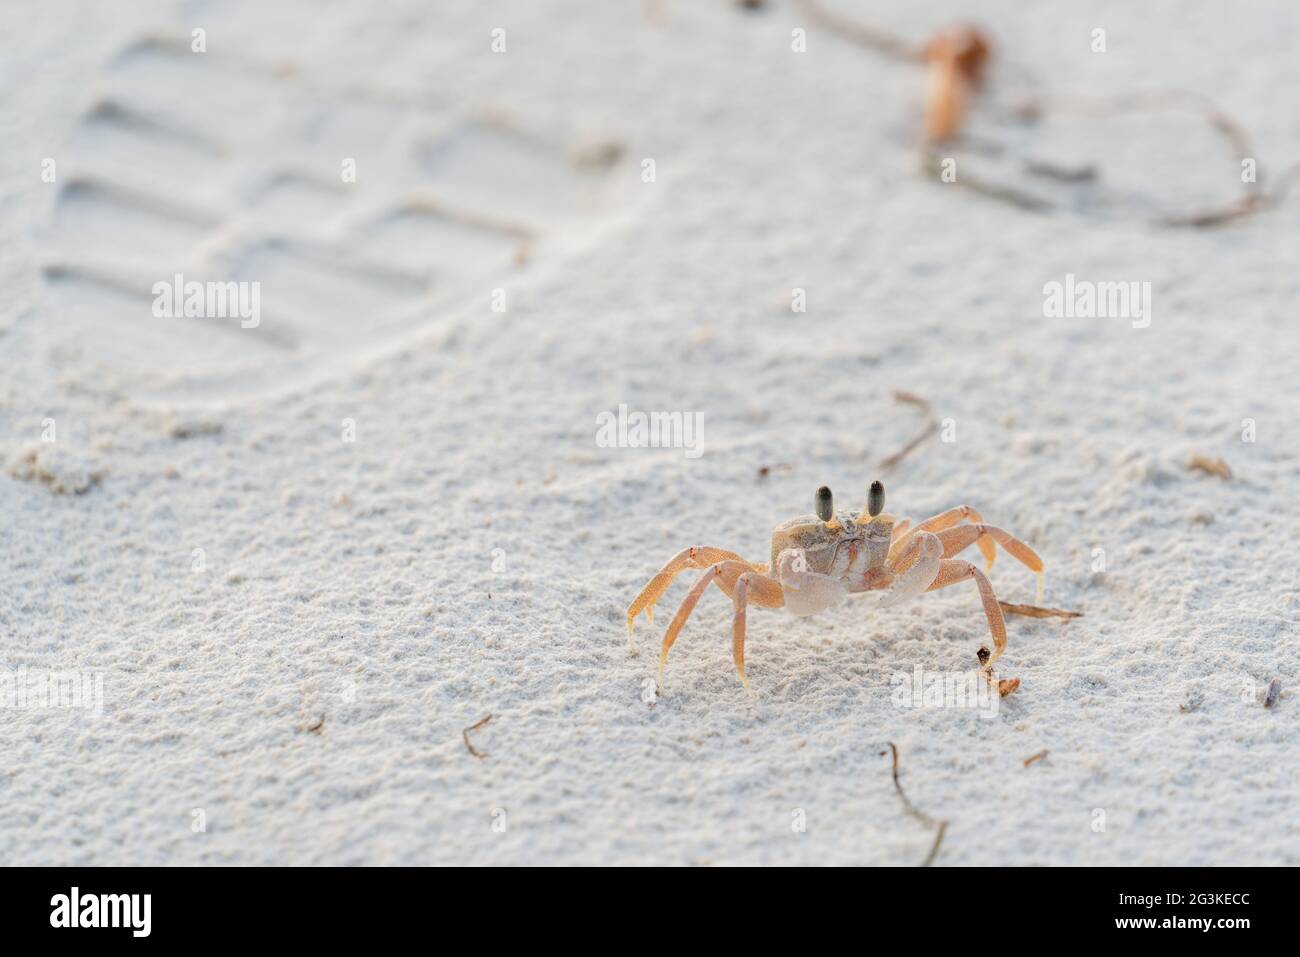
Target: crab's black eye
[875,499]
[824,504]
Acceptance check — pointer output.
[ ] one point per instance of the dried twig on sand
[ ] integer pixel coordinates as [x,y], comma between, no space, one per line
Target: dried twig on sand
[1033,611]
[930,422]
[465,737]
[957,59]
[1035,757]
[940,826]
[877,41]
[1202,463]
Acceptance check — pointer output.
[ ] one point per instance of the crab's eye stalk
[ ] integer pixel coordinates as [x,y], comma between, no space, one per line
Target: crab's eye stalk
[824,504]
[875,499]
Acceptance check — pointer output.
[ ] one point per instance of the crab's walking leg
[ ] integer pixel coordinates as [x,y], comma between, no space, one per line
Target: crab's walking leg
[901,526]
[952,571]
[726,574]
[947,520]
[960,536]
[766,592]
[698,556]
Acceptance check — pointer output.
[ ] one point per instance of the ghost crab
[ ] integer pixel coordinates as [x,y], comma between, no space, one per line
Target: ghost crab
[818,560]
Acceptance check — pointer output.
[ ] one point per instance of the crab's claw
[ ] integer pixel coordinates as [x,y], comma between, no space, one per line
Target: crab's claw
[920,574]
[806,592]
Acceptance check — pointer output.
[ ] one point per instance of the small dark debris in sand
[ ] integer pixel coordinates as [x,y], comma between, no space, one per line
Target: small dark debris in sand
[317,727]
[465,737]
[1065,174]
[765,470]
[189,426]
[1273,693]
[596,153]
[1202,463]
[940,826]
[62,472]
[1035,757]
[1034,611]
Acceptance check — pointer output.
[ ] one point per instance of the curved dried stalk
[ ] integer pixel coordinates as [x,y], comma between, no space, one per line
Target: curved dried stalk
[849,29]
[954,80]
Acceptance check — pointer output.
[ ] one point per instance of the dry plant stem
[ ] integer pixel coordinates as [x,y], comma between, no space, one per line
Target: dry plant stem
[941,826]
[1229,213]
[876,40]
[930,423]
[944,123]
[1033,611]
[1234,134]
[1148,102]
[934,848]
[1242,208]
[465,737]
[1238,140]
[1035,757]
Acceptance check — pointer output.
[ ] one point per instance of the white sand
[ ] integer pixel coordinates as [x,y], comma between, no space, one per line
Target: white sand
[473,550]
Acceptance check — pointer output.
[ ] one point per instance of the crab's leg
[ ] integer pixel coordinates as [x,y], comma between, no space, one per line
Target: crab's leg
[697,556]
[765,592]
[901,526]
[947,520]
[725,574]
[952,571]
[961,536]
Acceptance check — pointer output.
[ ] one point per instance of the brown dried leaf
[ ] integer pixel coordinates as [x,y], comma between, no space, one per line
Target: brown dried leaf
[1034,611]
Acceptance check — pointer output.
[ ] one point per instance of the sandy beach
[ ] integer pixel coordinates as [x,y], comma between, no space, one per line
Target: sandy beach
[286,547]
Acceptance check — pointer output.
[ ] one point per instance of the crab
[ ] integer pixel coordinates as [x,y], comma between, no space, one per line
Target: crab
[818,560]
